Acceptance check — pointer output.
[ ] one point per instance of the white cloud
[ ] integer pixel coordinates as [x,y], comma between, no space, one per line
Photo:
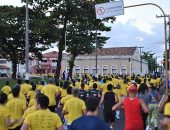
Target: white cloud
[139,38]
[137,27]
[11,2]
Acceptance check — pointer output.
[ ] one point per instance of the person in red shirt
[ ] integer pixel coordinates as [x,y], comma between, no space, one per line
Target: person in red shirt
[133,107]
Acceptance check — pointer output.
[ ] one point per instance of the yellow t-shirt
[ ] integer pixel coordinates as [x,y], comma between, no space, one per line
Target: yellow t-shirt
[31,94]
[167,109]
[124,89]
[118,92]
[6,90]
[43,120]
[25,88]
[104,87]
[50,91]
[31,103]
[40,87]
[155,82]
[74,107]
[65,99]
[21,96]
[167,112]
[4,112]
[78,84]
[16,107]
[86,87]
[115,81]
[29,111]
[63,92]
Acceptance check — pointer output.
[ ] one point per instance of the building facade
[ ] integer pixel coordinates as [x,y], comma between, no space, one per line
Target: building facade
[5,66]
[120,60]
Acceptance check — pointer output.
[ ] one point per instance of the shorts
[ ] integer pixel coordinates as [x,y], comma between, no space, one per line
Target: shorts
[109,116]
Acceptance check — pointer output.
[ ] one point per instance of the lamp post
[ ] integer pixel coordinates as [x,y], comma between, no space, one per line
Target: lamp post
[165,37]
[96,49]
[27,39]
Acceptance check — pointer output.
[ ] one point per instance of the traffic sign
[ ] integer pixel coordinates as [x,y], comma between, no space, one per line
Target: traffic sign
[109,9]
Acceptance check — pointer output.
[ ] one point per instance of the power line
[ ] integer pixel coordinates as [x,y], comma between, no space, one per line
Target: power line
[151,47]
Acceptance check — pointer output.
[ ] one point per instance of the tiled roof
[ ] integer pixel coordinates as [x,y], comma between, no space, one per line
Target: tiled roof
[114,51]
[4,67]
[52,54]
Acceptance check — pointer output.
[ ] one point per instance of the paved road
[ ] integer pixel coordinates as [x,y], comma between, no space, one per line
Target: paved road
[119,124]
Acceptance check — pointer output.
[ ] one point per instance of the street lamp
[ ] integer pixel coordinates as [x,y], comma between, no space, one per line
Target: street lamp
[165,37]
[27,39]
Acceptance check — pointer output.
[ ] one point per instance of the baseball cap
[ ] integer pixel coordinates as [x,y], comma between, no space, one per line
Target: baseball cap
[132,88]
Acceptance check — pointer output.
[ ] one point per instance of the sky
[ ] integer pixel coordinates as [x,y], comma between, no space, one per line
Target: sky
[137,27]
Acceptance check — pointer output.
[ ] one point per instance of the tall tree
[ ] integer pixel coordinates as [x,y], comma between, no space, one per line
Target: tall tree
[82,32]
[64,13]
[12,35]
[149,57]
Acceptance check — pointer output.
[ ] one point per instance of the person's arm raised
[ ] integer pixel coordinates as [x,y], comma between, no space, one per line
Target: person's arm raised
[144,106]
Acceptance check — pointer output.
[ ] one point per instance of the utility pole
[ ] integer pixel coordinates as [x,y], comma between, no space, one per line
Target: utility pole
[96,49]
[27,40]
[165,36]
[140,59]
[169,42]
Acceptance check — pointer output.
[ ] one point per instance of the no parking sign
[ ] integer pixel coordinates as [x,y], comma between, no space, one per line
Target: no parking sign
[109,9]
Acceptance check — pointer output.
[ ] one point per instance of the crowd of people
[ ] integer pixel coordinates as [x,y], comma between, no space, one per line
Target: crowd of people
[74,104]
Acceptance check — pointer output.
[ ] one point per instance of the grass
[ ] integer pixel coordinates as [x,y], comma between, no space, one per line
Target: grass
[13,82]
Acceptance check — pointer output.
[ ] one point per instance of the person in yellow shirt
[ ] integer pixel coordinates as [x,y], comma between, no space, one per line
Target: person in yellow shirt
[31,94]
[40,86]
[78,84]
[42,119]
[5,114]
[51,91]
[104,87]
[6,89]
[165,122]
[26,87]
[74,107]
[63,90]
[124,87]
[16,107]
[118,92]
[69,96]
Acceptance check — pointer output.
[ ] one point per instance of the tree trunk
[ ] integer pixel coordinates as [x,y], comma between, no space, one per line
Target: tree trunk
[71,65]
[62,43]
[14,69]
[58,64]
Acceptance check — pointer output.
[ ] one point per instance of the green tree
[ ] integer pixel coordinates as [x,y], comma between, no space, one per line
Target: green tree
[148,56]
[65,13]
[12,35]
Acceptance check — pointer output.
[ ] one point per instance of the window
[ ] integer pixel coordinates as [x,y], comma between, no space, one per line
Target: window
[86,69]
[114,69]
[94,69]
[54,61]
[105,70]
[3,61]
[68,69]
[77,69]
[44,61]
[123,69]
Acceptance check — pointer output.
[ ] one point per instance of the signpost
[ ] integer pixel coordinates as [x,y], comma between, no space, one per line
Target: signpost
[109,9]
